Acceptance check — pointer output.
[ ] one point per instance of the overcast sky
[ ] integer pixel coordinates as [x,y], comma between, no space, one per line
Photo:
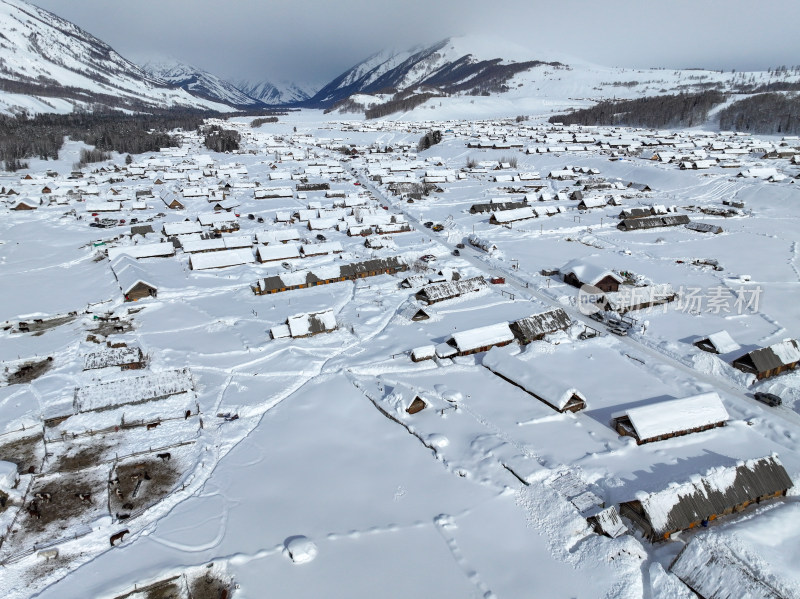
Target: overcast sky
[313,41]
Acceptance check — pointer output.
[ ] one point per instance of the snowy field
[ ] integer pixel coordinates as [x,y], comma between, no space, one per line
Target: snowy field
[250,419]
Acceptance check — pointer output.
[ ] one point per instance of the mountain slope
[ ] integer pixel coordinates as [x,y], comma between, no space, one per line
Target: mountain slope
[476,65]
[61,65]
[276,93]
[502,78]
[199,83]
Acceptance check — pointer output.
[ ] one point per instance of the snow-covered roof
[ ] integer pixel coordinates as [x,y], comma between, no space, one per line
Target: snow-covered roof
[181,228]
[555,392]
[280,235]
[129,273]
[142,250]
[268,253]
[723,342]
[507,216]
[718,489]
[755,557]
[675,415]
[315,249]
[303,325]
[221,259]
[450,289]
[492,334]
[588,272]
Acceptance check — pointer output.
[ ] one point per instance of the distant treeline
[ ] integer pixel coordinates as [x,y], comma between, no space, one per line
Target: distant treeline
[42,136]
[771,113]
[398,105]
[658,112]
[262,121]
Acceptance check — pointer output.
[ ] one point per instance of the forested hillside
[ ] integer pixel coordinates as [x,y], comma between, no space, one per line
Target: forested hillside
[681,110]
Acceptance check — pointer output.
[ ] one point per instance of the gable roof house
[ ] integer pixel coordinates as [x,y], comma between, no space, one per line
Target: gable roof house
[672,418]
[720,342]
[593,202]
[172,201]
[438,292]
[25,204]
[770,361]
[557,394]
[719,492]
[481,339]
[635,213]
[133,280]
[533,328]
[305,325]
[580,272]
[653,222]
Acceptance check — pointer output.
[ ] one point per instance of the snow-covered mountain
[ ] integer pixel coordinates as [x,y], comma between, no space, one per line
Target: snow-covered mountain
[277,93]
[48,64]
[501,77]
[474,64]
[200,83]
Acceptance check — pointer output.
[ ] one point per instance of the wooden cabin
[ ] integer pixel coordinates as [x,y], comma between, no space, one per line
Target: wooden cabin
[719,492]
[770,361]
[672,418]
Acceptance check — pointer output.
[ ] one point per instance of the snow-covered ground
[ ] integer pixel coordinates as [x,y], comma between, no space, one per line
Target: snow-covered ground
[295,464]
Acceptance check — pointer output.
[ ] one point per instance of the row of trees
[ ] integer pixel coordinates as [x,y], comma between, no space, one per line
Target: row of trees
[763,113]
[398,105]
[681,110]
[431,138]
[218,139]
[263,120]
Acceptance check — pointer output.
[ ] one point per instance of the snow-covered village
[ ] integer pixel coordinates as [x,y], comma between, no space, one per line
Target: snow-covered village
[473,348]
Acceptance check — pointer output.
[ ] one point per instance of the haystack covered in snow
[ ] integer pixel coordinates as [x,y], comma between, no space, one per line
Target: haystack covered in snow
[132,390]
[559,395]
[673,418]
[719,492]
[127,358]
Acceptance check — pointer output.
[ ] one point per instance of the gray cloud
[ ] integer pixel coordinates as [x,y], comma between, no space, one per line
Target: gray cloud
[315,40]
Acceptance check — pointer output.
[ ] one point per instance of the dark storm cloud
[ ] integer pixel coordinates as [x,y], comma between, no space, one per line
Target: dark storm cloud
[315,40]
